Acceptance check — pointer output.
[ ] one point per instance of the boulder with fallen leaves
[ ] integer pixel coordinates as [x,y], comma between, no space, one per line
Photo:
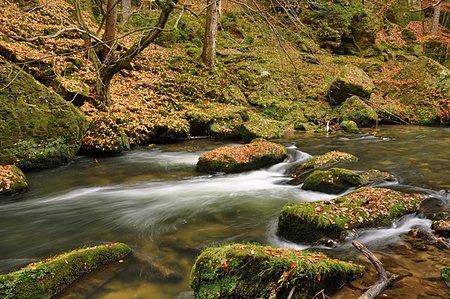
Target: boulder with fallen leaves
[12,180]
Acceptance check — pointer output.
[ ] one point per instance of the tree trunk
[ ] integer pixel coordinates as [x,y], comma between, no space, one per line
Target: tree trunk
[437,14]
[209,44]
[126,10]
[103,86]
[110,26]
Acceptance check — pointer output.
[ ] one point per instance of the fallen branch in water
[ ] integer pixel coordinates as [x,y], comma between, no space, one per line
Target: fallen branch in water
[430,238]
[384,281]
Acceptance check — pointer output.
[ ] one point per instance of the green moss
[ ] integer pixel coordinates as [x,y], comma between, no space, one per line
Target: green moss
[375,176]
[357,110]
[349,126]
[39,128]
[445,275]
[365,207]
[332,181]
[326,160]
[256,271]
[260,127]
[12,180]
[46,278]
[255,155]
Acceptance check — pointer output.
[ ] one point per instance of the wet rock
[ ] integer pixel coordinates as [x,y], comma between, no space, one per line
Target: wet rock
[332,181]
[351,81]
[349,126]
[12,180]
[324,161]
[445,275]
[374,176]
[39,129]
[356,110]
[256,271]
[257,154]
[365,207]
[441,227]
[436,207]
[46,278]
[104,136]
[150,267]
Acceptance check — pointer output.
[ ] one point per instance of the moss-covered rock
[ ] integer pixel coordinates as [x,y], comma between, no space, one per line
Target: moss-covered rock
[374,176]
[104,136]
[307,126]
[255,155]
[46,278]
[260,127]
[365,207]
[350,81]
[332,181]
[355,109]
[326,160]
[256,271]
[39,128]
[349,126]
[12,180]
[227,129]
[445,275]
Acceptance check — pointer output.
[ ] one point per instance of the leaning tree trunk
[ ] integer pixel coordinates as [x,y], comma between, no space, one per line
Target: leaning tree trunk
[209,44]
[436,16]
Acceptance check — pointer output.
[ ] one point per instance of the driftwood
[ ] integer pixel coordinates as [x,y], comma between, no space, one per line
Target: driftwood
[430,238]
[383,282]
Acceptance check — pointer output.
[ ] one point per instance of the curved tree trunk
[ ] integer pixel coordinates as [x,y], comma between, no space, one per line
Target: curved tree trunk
[209,44]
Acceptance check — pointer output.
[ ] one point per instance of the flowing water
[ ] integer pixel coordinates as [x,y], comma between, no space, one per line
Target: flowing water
[152,199]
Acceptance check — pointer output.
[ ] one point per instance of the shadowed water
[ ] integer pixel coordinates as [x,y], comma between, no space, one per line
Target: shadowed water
[153,200]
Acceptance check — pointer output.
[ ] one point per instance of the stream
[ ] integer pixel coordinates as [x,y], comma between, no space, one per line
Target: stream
[152,199]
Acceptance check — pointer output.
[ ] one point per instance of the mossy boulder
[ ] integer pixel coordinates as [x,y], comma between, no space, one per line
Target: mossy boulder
[333,180]
[227,129]
[355,109]
[324,161]
[445,275]
[374,176]
[12,180]
[251,156]
[39,128]
[349,82]
[104,136]
[260,127]
[349,126]
[46,278]
[365,207]
[256,271]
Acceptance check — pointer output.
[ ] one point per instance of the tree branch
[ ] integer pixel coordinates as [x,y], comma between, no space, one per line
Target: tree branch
[384,281]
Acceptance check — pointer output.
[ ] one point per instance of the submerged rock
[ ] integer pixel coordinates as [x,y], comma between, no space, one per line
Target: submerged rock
[46,278]
[332,181]
[324,161]
[351,81]
[365,207]
[257,154]
[355,109]
[12,180]
[349,126]
[256,271]
[374,176]
[39,129]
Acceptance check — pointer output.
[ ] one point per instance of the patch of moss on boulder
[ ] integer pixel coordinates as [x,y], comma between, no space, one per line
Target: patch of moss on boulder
[349,126]
[39,128]
[251,156]
[12,180]
[326,160]
[445,275]
[256,271]
[307,126]
[365,207]
[332,181]
[351,81]
[355,109]
[46,278]
[104,136]
[260,127]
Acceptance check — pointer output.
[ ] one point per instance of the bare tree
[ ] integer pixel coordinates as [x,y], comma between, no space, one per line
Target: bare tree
[436,16]
[209,44]
[109,36]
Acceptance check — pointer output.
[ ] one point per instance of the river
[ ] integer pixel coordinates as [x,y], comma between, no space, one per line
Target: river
[152,199]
